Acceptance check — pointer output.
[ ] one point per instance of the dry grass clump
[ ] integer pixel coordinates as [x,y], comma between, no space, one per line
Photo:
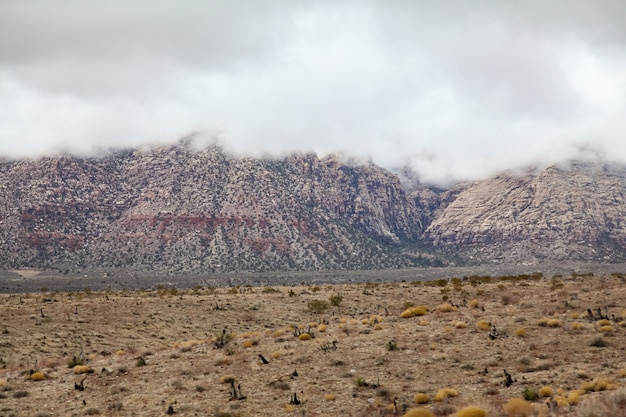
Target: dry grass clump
[471,412]
[520,332]
[621,373]
[474,303]
[37,376]
[599,384]
[577,326]
[603,322]
[423,323]
[554,323]
[573,316]
[546,392]
[421,398]
[227,379]
[80,369]
[542,322]
[321,328]
[608,330]
[573,397]
[460,324]
[446,308]
[247,343]
[330,397]
[419,412]
[444,393]
[304,336]
[517,407]
[413,312]
[545,322]
[483,325]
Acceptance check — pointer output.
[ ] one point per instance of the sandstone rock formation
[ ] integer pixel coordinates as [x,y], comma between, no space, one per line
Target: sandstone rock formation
[176,209]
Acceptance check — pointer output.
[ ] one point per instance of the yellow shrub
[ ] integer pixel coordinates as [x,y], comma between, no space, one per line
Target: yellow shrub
[37,376]
[247,343]
[599,384]
[80,369]
[573,316]
[546,392]
[3,382]
[423,323]
[343,320]
[554,323]
[276,354]
[624,314]
[471,412]
[573,397]
[607,329]
[561,401]
[483,325]
[418,412]
[517,407]
[365,321]
[622,373]
[460,324]
[520,332]
[304,336]
[577,326]
[603,322]
[446,308]
[378,326]
[542,322]
[227,379]
[413,311]
[278,333]
[321,328]
[421,398]
[330,397]
[444,393]
[474,303]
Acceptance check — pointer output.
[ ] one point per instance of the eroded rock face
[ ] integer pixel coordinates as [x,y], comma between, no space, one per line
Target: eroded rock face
[571,212]
[175,209]
[178,210]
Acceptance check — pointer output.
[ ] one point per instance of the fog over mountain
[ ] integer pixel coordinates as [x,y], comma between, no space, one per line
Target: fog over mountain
[456,90]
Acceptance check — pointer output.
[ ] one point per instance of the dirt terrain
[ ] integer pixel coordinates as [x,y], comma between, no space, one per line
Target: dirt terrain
[175,351]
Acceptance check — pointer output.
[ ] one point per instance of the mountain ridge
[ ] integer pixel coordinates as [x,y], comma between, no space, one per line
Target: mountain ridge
[177,209]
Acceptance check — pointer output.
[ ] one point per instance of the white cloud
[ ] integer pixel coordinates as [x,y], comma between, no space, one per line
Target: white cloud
[458,90]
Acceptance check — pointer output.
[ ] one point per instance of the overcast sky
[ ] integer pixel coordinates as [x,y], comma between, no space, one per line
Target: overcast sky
[455,89]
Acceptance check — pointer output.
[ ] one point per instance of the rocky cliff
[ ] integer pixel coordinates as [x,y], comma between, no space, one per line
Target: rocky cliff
[176,209]
[573,211]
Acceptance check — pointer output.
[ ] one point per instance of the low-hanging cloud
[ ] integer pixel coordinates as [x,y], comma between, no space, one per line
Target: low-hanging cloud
[456,90]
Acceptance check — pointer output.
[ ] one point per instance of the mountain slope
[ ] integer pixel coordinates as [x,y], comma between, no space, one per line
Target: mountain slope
[571,212]
[176,209]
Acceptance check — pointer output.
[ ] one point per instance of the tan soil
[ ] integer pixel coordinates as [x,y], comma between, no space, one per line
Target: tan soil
[175,332]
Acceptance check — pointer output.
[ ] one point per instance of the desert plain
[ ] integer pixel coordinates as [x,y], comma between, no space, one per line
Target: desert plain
[356,349]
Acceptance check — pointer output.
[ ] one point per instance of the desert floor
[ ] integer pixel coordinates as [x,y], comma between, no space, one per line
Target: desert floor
[150,351]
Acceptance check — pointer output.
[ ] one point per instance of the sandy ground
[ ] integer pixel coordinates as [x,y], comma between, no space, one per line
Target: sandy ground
[152,350]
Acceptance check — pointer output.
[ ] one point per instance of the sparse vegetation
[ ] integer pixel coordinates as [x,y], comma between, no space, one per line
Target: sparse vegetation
[318,306]
[360,359]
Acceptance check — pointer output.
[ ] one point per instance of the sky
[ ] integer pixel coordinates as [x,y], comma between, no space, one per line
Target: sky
[454,89]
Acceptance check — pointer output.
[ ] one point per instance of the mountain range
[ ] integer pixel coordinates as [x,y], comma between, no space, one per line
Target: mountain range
[177,209]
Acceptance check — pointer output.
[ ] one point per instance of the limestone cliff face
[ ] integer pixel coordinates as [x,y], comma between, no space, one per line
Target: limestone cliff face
[175,209]
[571,212]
